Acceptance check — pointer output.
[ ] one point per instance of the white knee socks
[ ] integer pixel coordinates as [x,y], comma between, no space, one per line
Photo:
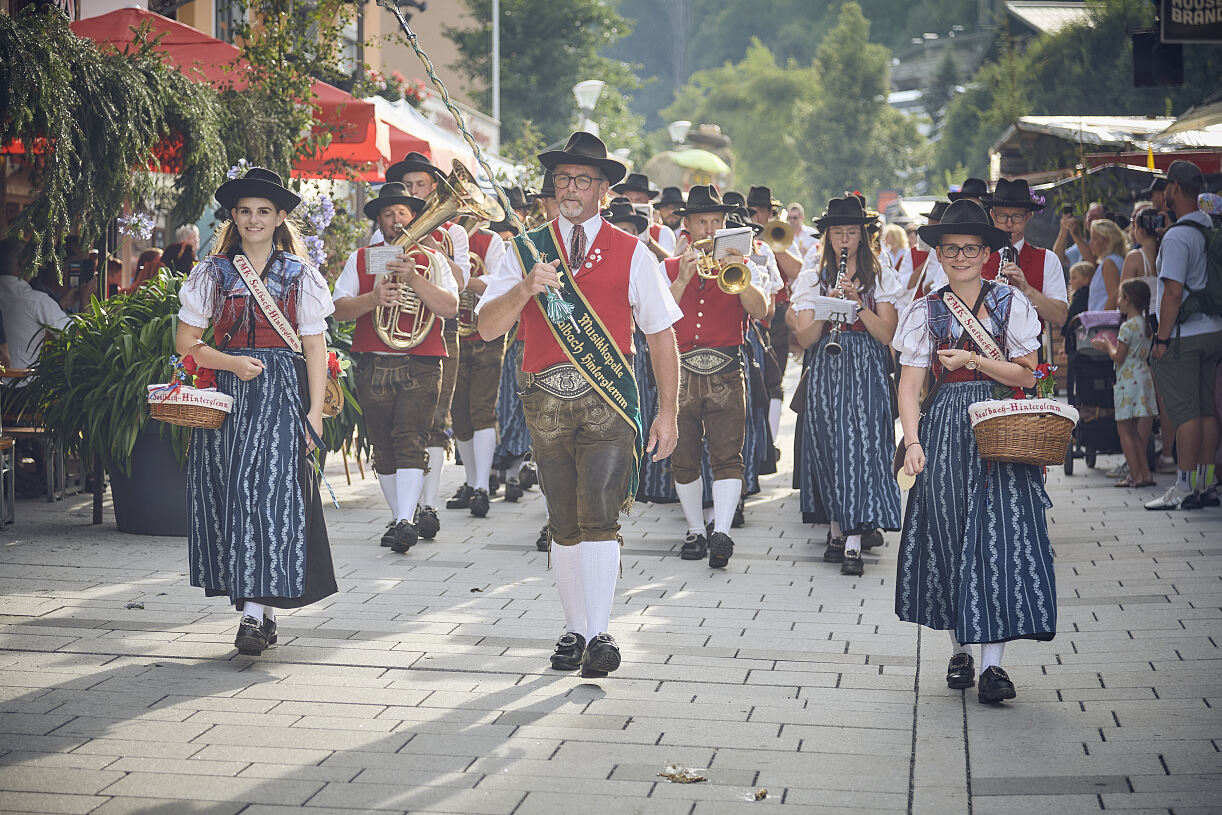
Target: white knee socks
[250,609]
[599,570]
[835,529]
[466,451]
[726,492]
[853,544]
[515,467]
[774,417]
[990,655]
[408,484]
[269,613]
[566,564]
[691,497]
[484,444]
[432,477]
[958,648]
[387,483]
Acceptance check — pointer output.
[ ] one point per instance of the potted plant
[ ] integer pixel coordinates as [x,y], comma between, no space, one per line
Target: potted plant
[91,393]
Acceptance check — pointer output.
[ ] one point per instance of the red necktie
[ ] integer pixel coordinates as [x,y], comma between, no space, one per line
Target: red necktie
[577,245]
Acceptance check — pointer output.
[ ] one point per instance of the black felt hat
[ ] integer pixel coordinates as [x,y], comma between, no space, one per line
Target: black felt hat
[413,162]
[1016,193]
[621,211]
[761,198]
[739,201]
[259,182]
[394,192]
[939,209]
[965,218]
[671,197]
[972,188]
[549,185]
[504,226]
[846,211]
[637,182]
[704,198]
[585,148]
[735,220]
[517,198]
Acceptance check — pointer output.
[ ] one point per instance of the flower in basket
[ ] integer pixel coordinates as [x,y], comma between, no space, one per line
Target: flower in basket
[336,366]
[1045,383]
[206,378]
[192,374]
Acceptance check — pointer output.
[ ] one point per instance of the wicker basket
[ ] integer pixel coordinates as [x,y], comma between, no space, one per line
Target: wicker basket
[1023,431]
[189,407]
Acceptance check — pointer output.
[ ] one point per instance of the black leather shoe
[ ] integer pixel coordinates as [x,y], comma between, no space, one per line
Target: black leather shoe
[852,565]
[995,686]
[544,541]
[405,538]
[834,553]
[389,535]
[513,490]
[960,672]
[720,549]
[601,657]
[494,483]
[738,521]
[528,477]
[479,503]
[269,631]
[871,539]
[1193,501]
[251,639]
[695,547]
[568,653]
[461,499]
[427,522]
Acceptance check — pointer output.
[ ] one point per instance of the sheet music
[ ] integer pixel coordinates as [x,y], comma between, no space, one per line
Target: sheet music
[376,258]
[736,238]
[836,309]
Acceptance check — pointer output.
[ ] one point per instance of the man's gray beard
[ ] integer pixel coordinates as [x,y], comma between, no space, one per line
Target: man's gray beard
[569,209]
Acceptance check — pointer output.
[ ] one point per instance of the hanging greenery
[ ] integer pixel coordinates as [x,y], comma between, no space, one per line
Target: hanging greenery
[92,123]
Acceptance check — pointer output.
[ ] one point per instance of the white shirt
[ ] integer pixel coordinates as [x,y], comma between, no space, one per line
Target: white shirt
[313,299]
[666,237]
[804,241]
[348,283]
[653,307]
[1054,276]
[494,256]
[888,288]
[462,249]
[26,311]
[768,278]
[903,270]
[915,346]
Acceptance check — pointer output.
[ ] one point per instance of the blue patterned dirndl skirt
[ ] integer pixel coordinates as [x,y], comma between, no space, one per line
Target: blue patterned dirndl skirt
[256,528]
[514,441]
[758,456]
[655,483]
[974,555]
[849,437]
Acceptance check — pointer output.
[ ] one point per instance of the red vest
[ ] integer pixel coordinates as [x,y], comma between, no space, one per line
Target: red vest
[655,231]
[711,318]
[480,240]
[603,283]
[364,338]
[265,336]
[918,260]
[1030,260]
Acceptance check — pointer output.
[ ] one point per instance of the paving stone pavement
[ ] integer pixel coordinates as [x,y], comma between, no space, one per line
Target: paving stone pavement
[423,686]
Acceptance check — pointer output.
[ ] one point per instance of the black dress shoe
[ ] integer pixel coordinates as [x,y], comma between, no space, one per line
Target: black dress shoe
[568,653]
[251,639]
[494,483]
[738,521]
[695,547]
[405,538]
[461,499]
[427,522]
[528,476]
[995,686]
[834,553]
[601,657]
[389,535]
[479,503]
[871,539]
[961,672]
[269,630]
[852,565]
[720,549]
[513,490]
[544,541]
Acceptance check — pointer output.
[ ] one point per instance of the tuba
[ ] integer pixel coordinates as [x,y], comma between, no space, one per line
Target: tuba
[731,278]
[778,235]
[467,299]
[456,193]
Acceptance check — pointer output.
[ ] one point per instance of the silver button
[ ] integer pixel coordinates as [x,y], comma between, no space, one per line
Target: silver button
[699,313]
[697,325]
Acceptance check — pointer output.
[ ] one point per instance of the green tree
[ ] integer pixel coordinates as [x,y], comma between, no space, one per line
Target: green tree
[546,48]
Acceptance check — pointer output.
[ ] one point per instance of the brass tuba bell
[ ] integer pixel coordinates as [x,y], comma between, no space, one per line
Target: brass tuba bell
[732,278]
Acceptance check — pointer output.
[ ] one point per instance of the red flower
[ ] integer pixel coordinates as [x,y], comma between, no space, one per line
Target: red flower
[189,365]
[206,378]
[1018,393]
[334,369]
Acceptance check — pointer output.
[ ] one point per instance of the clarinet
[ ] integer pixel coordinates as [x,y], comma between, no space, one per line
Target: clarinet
[832,348]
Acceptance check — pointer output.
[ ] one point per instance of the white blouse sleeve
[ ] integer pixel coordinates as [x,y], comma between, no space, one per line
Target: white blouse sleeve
[889,288]
[912,341]
[314,303]
[804,289]
[197,293]
[1023,332]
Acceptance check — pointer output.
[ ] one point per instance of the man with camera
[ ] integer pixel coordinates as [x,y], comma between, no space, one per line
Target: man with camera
[1073,239]
[1188,345]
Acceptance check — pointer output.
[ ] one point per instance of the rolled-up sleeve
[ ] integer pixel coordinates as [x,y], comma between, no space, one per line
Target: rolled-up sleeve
[503,277]
[314,303]
[197,294]
[912,341]
[653,306]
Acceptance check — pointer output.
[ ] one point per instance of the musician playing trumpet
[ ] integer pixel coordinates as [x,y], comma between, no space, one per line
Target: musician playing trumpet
[398,387]
[712,402]
[847,428]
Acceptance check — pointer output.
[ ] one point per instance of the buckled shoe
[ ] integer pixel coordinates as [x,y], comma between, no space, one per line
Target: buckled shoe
[601,657]
[568,652]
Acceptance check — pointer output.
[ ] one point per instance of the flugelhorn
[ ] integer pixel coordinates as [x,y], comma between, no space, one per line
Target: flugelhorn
[778,235]
[832,348]
[731,278]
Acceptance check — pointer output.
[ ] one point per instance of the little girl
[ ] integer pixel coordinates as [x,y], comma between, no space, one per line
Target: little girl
[1134,389]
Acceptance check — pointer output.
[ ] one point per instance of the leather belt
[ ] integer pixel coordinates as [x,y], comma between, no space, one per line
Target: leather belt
[562,381]
[710,360]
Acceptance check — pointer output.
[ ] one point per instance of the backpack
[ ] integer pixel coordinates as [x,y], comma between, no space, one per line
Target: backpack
[1208,299]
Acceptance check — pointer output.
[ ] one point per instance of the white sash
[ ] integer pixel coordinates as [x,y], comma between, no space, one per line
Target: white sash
[983,339]
[264,298]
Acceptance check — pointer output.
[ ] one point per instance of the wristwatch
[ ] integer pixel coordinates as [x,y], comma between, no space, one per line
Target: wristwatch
[971,362]
[1160,341]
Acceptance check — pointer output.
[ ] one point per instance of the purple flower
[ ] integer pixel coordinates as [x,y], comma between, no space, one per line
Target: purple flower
[316,250]
[238,170]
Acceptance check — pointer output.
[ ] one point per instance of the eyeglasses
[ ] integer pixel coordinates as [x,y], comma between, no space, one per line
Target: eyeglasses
[1009,217]
[951,251]
[581,182]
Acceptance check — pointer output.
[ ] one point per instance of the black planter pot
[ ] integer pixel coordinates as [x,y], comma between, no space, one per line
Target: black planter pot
[153,499]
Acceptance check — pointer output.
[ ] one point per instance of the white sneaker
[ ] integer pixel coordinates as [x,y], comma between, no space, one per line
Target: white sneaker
[1118,472]
[1171,499]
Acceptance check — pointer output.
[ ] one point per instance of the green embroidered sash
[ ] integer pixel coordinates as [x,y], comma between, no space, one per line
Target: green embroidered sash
[588,345]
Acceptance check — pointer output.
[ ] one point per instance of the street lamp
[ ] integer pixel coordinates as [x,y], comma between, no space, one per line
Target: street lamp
[678,131]
[587,94]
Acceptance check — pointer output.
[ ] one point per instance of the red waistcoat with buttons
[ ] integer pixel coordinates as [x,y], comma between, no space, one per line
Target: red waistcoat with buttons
[479,242]
[711,318]
[1030,260]
[364,338]
[603,278]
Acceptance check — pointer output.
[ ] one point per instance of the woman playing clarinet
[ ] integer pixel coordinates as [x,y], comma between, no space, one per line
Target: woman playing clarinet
[974,555]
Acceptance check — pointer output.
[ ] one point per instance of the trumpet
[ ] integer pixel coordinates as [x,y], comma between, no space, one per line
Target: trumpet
[732,278]
[832,348]
[778,235]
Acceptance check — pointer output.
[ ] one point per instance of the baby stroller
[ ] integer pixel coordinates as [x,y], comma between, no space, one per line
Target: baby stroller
[1089,388]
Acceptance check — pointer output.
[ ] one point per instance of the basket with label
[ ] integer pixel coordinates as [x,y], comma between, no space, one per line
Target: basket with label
[1023,431]
[190,398]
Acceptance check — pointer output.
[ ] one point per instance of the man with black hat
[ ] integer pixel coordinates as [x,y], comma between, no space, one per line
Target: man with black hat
[578,285]
[421,178]
[712,402]
[974,189]
[547,195]
[667,209]
[660,238]
[1034,271]
[398,387]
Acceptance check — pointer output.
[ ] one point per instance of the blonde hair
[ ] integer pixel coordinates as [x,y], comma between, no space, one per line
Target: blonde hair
[1083,269]
[896,233]
[1113,234]
[287,238]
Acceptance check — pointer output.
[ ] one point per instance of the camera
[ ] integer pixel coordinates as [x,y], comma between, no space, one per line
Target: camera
[1150,220]
[1067,209]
